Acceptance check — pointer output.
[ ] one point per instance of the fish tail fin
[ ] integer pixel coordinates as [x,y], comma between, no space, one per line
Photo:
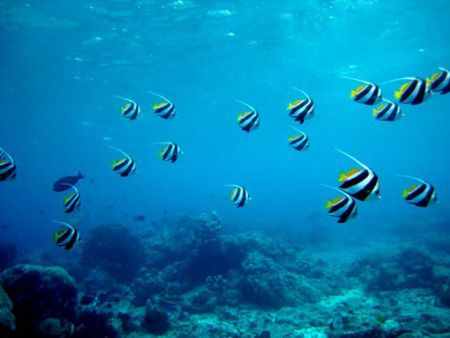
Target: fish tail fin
[80,175]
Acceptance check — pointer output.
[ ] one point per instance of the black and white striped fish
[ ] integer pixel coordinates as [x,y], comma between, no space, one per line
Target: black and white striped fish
[239,195]
[248,120]
[440,82]
[73,200]
[165,109]
[369,93]
[123,166]
[8,169]
[300,110]
[129,110]
[343,207]
[420,194]
[388,111]
[66,237]
[359,183]
[299,141]
[170,152]
[415,91]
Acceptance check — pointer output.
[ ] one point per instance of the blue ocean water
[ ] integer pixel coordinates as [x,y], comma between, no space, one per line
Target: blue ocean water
[62,63]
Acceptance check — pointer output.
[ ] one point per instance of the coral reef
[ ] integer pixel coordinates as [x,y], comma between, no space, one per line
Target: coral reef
[7,320]
[39,293]
[113,249]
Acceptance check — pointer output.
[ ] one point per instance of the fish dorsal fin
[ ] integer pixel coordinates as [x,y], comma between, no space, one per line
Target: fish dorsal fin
[294,104]
[335,201]
[160,105]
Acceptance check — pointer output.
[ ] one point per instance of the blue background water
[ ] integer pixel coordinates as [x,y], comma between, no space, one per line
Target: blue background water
[62,63]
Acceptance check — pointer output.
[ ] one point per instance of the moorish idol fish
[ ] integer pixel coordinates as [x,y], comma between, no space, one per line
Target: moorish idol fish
[414,91]
[421,194]
[440,81]
[299,141]
[388,111]
[170,151]
[123,166]
[359,183]
[66,237]
[239,195]
[369,93]
[72,200]
[129,110]
[343,207]
[165,109]
[300,110]
[248,120]
[8,170]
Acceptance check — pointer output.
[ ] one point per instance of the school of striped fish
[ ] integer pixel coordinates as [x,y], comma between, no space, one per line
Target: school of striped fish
[360,183]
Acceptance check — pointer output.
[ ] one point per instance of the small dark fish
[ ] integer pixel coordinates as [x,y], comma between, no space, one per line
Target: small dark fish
[65,182]
[140,218]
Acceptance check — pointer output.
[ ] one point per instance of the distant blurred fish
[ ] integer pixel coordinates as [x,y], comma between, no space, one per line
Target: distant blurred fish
[248,120]
[440,81]
[65,182]
[165,109]
[341,207]
[359,183]
[129,110]
[8,170]
[300,110]
[123,166]
[72,200]
[414,92]
[239,195]
[170,152]
[140,218]
[388,111]
[66,237]
[421,194]
[299,142]
[368,93]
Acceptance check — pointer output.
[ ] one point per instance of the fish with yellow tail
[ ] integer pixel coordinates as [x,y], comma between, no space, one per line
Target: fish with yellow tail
[239,195]
[299,141]
[368,93]
[8,169]
[440,81]
[301,109]
[361,184]
[66,237]
[414,91]
[248,120]
[421,194]
[387,111]
[123,166]
[130,110]
[343,207]
[72,201]
[165,109]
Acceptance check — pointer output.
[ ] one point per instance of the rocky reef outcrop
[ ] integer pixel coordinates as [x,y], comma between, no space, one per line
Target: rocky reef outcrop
[44,299]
